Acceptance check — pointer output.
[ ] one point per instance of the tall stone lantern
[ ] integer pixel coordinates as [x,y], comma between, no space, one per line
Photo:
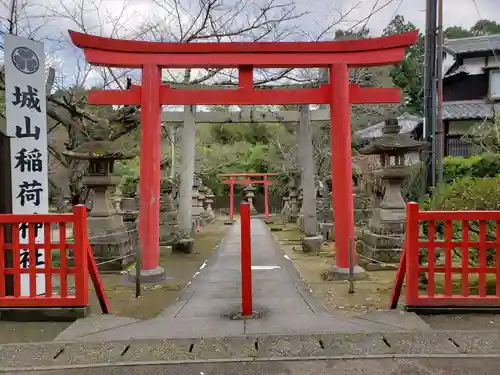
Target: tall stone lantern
[107,233]
[383,240]
[249,194]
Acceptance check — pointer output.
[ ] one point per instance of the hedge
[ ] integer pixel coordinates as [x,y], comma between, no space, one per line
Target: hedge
[484,165]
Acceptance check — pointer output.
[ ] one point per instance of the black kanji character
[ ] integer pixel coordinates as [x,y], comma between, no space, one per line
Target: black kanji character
[26,133]
[30,192]
[27,98]
[23,228]
[29,161]
[25,258]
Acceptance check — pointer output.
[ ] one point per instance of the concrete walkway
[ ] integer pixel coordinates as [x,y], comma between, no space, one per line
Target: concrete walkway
[205,307]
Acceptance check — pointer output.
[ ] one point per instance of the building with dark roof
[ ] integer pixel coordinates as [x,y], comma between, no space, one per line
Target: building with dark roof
[471,89]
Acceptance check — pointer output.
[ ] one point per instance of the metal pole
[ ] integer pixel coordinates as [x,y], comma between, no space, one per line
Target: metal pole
[429,82]
[351,267]
[138,272]
[440,137]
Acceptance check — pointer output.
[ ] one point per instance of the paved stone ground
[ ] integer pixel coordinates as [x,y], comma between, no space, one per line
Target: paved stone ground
[204,310]
[295,335]
[387,366]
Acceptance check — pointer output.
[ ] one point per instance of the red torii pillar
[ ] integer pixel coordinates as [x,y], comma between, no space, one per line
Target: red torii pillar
[265,181]
[338,56]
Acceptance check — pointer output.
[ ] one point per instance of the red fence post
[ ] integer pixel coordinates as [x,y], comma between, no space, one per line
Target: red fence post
[246,260]
[80,255]
[412,253]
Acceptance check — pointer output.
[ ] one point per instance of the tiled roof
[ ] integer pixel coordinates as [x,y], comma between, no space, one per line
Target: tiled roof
[407,122]
[473,44]
[469,110]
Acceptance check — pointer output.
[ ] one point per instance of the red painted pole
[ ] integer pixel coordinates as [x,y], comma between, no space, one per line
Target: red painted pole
[231,198]
[150,154]
[266,201]
[246,260]
[340,134]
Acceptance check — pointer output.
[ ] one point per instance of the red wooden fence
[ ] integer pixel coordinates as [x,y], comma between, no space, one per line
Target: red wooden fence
[77,249]
[458,291]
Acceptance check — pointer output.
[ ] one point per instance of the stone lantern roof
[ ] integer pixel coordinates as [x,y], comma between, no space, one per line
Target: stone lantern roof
[99,150]
[391,142]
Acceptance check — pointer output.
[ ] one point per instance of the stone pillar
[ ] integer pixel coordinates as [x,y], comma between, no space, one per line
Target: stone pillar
[312,240]
[188,153]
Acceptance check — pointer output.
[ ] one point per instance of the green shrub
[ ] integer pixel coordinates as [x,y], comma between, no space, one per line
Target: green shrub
[466,194]
[484,165]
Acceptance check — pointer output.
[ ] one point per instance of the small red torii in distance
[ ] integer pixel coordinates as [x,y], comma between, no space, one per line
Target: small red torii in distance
[231,181]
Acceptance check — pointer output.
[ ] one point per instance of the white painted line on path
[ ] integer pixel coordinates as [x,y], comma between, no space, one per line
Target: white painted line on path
[286,257]
[266,268]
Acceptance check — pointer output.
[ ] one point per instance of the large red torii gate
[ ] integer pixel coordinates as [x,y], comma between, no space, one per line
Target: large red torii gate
[151,57]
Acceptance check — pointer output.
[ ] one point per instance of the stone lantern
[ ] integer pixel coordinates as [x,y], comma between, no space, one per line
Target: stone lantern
[300,216]
[249,194]
[208,204]
[196,212]
[168,213]
[383,240]
[201,203]
[293,202]
[107,233]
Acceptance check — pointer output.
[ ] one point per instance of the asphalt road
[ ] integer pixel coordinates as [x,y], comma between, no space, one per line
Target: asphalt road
[459,366]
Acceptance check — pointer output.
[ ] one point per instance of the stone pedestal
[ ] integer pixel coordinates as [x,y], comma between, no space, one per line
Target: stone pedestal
[313,243]
[112,244]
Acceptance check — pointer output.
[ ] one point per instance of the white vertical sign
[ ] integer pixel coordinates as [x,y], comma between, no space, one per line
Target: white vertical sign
[25,107]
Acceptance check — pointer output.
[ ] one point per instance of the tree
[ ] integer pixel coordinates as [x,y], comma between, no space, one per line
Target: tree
[457,32]
[409,74]
[485,27]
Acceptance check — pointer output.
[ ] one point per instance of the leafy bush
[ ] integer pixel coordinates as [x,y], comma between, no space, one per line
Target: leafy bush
[467,193]
[484,165]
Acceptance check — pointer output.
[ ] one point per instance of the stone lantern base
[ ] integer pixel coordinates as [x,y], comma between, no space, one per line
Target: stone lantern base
[383,240]
[111,242]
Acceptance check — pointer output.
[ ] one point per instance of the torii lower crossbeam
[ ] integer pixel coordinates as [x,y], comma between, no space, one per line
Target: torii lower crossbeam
[337,56]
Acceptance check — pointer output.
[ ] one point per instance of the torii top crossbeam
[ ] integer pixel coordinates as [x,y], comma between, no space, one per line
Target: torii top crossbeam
[138,54]
[135,54]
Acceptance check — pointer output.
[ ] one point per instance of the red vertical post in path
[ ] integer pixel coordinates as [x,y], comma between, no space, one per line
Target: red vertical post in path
[246,260]
[231,198]
[266,199]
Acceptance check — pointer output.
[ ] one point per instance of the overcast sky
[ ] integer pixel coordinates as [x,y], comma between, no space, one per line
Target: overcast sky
[320,13]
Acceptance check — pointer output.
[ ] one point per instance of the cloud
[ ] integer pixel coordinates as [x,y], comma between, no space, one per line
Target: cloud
[49,20]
